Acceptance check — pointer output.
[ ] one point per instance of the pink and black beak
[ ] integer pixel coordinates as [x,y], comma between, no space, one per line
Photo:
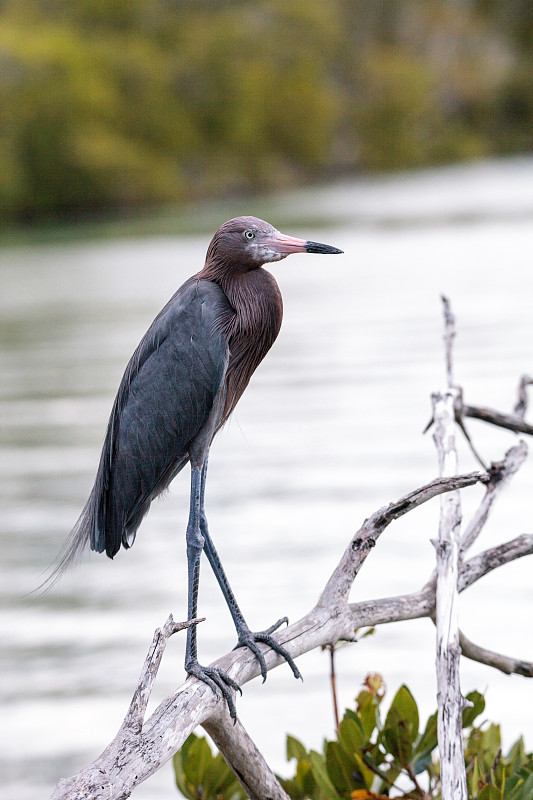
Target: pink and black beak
[289,244]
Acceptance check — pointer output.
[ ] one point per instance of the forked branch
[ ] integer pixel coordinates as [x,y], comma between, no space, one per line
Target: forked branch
[142,746]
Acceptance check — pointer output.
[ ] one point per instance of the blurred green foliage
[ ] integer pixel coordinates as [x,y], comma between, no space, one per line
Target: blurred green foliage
[372,758]
[111,104]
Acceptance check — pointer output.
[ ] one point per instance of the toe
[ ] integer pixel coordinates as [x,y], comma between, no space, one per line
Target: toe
[216,678]
[278,648]
[274,627]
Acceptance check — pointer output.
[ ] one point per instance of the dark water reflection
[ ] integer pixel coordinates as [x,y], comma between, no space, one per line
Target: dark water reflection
[328,430]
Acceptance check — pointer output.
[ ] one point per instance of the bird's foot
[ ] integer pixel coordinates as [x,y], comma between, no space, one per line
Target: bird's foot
[216,679]
[250,639]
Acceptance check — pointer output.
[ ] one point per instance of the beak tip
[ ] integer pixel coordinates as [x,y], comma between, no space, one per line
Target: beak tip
[318,247]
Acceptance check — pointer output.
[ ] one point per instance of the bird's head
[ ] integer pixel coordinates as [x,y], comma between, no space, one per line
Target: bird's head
[245,243]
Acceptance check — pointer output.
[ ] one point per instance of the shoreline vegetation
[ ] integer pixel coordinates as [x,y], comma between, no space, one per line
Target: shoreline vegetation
[127,108]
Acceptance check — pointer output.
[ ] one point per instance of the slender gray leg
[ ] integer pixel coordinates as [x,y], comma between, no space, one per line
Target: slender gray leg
[213,676]
[246,637]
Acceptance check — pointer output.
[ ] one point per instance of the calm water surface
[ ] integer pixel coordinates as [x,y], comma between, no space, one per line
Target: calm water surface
[328,430]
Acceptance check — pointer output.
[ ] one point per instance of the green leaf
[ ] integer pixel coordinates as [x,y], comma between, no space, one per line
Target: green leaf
[342,769]
[368,775]
[179,761]
[302,785]
[469,714]
[197,762]
[520,786]
[320,774]
[295,749]
[368,711]
[492,741]
[179,774]
[351,737]
[489,793]
[202,776]
[401,726]
[474,778]
[220,782]
[517,754]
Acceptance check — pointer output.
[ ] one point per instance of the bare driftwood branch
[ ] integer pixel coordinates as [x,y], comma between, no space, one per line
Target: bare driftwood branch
[511,422]
[338,587]
[494,557]
[243,757]
[132,758]
[113,774]
[449,336]
[496,660]
[368,613]
[449,697]
[500,472]
[450,700]
[194,704]
[142,746]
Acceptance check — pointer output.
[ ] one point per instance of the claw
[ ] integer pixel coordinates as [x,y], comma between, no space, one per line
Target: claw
[216,678]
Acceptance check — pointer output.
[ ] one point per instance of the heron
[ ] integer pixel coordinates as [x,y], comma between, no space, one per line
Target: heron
[179,388]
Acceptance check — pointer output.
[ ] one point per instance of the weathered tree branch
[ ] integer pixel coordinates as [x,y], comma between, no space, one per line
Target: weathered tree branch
[496,660]
[494,557]
[450,700]
[142,746]
[368,613]
[194,704]
[339,585]
[511,422]
[243,757]
[500,474]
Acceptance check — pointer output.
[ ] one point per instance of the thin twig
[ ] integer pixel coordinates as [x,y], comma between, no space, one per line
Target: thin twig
[500,472]
[421,793]
[461,423]
[521,405]
[333,679]
[449,336]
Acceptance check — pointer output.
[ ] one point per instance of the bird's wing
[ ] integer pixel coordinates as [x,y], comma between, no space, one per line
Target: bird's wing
[165,397]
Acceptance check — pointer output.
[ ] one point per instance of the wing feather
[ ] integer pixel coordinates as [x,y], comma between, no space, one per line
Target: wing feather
[166,395]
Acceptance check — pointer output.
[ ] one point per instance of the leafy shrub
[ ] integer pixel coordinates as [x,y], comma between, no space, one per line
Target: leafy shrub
[372,759]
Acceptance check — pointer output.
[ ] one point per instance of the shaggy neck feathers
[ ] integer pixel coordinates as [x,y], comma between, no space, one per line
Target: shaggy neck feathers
[250,326]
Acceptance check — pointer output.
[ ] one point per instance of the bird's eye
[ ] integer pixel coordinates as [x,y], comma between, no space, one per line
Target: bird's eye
[249,235]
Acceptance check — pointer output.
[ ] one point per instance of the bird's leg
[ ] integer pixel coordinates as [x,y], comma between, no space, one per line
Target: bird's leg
[246,637]
[213,676]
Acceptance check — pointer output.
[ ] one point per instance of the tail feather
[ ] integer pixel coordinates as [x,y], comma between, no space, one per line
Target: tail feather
[79,539]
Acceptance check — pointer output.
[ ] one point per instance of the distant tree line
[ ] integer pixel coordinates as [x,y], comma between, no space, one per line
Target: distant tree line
[112,104]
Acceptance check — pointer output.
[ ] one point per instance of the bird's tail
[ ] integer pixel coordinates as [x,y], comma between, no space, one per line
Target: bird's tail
[78,540]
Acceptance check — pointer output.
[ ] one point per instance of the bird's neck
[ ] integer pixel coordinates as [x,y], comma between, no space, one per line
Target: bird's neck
[255,299]
[250,327]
